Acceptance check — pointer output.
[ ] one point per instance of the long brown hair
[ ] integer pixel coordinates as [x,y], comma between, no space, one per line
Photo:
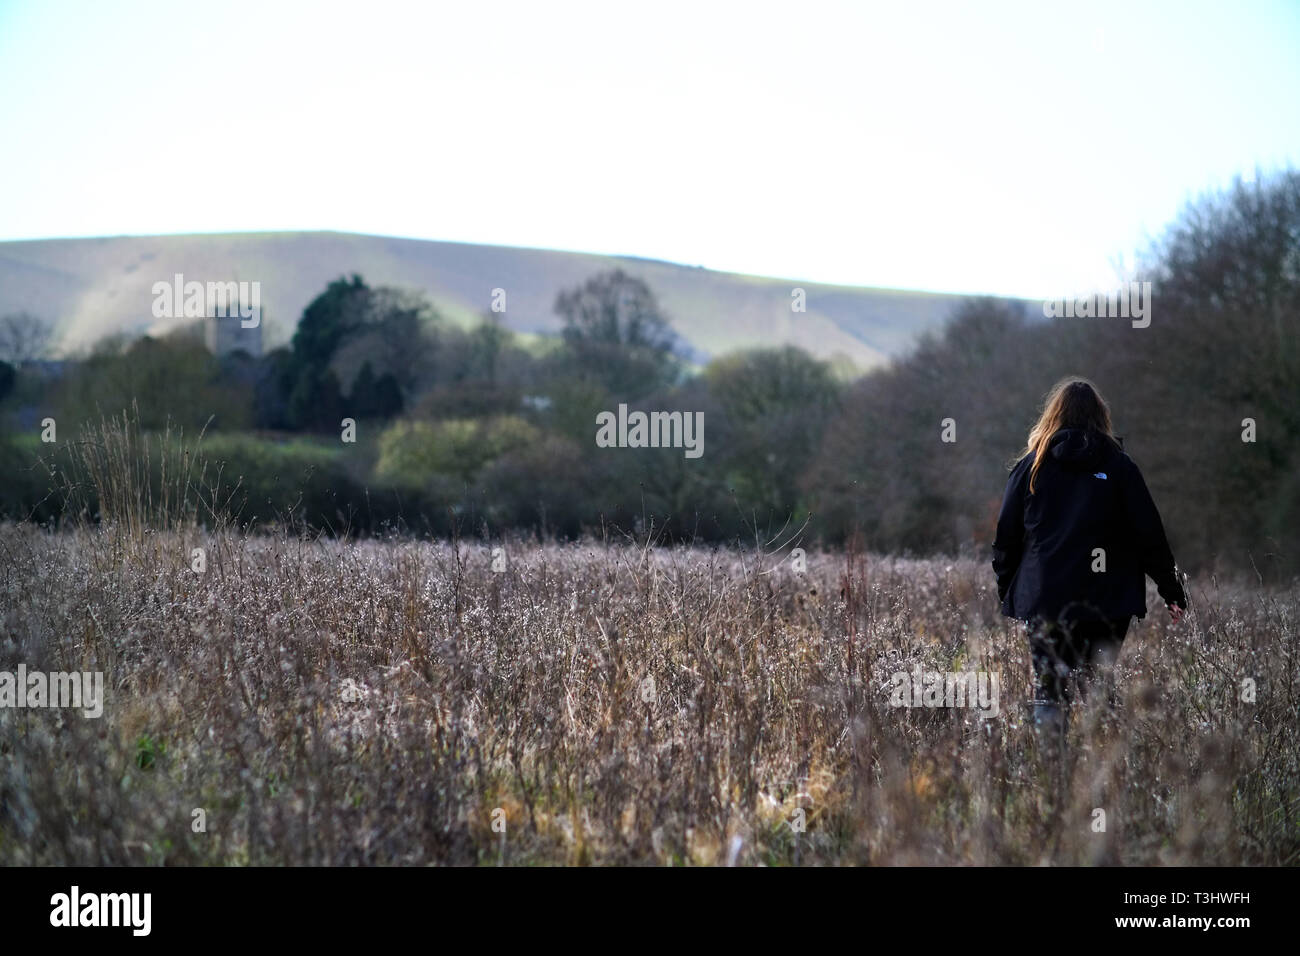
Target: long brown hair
[1073,402]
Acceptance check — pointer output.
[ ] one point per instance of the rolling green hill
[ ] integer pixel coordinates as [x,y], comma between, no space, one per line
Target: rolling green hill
[90,288]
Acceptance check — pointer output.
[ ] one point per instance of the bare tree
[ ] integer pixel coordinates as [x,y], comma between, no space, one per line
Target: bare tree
[23,338]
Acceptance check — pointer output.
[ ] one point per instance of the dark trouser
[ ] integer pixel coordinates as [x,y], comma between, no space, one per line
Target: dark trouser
[1066,650]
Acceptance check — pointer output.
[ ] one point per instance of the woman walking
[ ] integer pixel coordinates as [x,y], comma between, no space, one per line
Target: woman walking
[1076,536]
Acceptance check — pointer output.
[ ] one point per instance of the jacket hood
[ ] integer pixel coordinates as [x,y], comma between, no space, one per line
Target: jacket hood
[1078,447]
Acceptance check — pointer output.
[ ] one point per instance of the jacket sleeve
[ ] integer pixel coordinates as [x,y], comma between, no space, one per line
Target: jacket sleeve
[1009,540]
[1148,537]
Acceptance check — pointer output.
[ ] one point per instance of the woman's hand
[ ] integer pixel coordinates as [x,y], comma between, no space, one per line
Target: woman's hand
[1175,613]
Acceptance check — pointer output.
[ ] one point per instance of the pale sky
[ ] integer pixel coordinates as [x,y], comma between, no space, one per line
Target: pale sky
[1010,148]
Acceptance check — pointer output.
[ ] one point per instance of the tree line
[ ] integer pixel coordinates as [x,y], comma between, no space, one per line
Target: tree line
[481,430]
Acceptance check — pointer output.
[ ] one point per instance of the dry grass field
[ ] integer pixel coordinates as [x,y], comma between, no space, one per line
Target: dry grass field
[325,701]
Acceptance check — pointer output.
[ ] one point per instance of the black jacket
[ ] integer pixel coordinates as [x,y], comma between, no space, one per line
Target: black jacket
[1088,494]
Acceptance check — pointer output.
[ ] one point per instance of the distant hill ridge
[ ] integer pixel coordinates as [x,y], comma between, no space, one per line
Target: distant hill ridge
[95,287]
